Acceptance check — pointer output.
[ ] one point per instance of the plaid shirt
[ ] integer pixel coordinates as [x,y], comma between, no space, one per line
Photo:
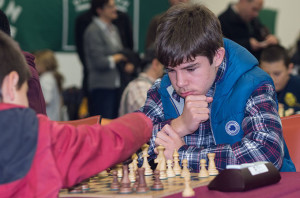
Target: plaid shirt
[262,139]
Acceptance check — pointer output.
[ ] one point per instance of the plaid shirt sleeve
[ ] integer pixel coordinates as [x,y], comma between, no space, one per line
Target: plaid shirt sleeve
[262,141]
[154,110]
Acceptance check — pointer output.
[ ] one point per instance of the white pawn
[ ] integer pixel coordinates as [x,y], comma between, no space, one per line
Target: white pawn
[176,168]
[212,170]
[185,171]
[203,171]
[119,168]
[131,172]
[170,172]
[148,170]
[161,162]
[188,190]
[134,158]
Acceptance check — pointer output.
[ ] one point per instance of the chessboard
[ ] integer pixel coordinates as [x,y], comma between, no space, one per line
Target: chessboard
[99,186]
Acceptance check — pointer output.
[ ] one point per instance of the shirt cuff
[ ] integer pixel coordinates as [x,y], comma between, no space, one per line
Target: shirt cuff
[112,63]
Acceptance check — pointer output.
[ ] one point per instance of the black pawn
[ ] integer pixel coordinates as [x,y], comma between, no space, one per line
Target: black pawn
[157,185]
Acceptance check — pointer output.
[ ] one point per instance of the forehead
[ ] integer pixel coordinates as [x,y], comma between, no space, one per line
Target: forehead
[273,66]
[199,60]
[256,4]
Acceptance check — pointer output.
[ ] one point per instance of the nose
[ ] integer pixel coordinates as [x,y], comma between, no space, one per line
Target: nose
[180,80]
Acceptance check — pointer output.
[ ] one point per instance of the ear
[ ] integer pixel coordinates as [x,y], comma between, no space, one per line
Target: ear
[290,68]
[155,62]
[99,10]
[219,56]
[9,87]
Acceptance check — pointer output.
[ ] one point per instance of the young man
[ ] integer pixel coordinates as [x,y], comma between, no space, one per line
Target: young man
[275,61]
[214,99]
[39,156]
[241,24]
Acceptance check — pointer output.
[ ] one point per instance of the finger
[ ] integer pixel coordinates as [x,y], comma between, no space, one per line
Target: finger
[171,132]
[163,136]
[196,98]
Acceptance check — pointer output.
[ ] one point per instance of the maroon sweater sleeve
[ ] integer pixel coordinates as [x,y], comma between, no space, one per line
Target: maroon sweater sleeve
[35,94]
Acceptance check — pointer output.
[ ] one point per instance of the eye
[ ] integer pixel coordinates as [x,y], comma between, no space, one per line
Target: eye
[191,69]
[168,70]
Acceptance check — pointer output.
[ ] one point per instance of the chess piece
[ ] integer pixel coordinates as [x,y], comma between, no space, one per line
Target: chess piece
[125,182]
[176,168]
[75,189]
[135,161]
[103,174]
[119,170]
[203,171]
[148,170]
[212,170]
[157,185]
[161,162]
[131,173]
[142,186]
[115,185]
[85,187]
[170,171]
[137,178]
[188,190]
[185,171]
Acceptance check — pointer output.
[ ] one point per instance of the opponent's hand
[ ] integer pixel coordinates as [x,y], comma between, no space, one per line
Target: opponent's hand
[194,112]
[168,138]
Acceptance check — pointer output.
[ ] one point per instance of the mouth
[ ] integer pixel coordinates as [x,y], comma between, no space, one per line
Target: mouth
[185,94]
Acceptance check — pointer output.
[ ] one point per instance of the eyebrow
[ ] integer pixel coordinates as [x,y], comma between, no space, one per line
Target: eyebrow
[190,65]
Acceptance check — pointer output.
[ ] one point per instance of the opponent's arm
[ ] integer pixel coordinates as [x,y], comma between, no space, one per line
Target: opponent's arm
[83,151]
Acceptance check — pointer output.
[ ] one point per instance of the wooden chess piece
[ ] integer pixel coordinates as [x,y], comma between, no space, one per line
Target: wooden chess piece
[131,173]
[188,190]
[161,162]
[170,171]
[85,187]
[142,187]
[203,171]
[75,189]
[212,170]
[176,168]
[185,171]
[135,161]
[137,178]
[125,182]
[148,170]
[103,174]
[157,185]
[115,185]
[119,170]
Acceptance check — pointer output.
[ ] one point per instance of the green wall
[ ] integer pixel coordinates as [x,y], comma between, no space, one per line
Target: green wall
[39,24]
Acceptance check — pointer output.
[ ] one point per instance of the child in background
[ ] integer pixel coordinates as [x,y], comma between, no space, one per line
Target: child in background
[51,82]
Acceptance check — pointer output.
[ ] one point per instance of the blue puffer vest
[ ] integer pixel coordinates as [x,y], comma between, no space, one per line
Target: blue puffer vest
[241,78]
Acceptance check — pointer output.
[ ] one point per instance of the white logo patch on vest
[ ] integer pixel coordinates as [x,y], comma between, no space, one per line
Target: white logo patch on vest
[232,128]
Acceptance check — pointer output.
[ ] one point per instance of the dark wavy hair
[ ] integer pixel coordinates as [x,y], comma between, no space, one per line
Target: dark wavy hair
[274,53]
[95,4]
[185,31]
[12,59]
